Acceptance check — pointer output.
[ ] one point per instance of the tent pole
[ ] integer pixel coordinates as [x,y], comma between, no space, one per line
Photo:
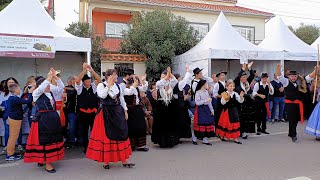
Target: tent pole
[89,60]
[209,67]
[282,64]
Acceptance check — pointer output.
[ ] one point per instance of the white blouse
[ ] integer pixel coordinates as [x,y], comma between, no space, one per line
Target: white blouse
[57,90]
[113,91]
[40,90]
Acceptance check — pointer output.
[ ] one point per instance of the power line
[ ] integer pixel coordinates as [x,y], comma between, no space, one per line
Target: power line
[266,9]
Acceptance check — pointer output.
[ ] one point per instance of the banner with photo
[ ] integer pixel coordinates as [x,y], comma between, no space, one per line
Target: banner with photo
[27,46]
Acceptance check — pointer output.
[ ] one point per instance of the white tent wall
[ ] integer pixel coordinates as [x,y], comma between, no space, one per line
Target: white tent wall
[233,67]
[303,68]
[21,68]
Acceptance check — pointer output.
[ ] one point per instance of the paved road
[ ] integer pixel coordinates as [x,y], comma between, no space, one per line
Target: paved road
[266,157]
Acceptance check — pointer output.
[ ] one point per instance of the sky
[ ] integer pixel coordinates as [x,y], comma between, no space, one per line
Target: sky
[293,12]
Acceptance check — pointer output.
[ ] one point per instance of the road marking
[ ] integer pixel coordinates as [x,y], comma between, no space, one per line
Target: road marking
[9,164]
[300,178]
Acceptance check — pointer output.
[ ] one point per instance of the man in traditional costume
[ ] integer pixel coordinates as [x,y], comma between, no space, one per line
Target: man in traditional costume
[87,101]
[294,88]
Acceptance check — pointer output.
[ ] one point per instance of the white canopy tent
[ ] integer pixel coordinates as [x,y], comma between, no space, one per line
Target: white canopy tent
[297,54]
[222,42]
[280,38]
[28,17]
[315,43]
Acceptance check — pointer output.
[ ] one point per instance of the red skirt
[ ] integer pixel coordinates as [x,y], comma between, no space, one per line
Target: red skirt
[226,128]
[36,153]
[59,107]
[102,149]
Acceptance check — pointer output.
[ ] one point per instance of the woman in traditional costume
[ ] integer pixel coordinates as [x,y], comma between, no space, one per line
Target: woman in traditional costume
[180,104]
[246,109]
[229,123]
[136,117]
[45,141]
[109,140]
[204,113]
[165,130]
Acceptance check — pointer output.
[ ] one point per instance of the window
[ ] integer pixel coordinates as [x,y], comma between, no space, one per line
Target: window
[121,68]
[246,32]
[201,29]
[116,29]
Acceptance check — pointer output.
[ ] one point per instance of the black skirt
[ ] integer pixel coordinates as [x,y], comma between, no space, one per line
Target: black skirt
[136,122]
[182,115]
[247,116]
[165,130]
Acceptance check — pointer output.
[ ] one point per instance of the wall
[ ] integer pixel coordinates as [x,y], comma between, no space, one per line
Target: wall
[233,67]
[201,17]
[98,23]
[303,68]
[139,67]
[21,69]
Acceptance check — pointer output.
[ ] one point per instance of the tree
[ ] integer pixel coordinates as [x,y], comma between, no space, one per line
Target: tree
[83,29]
[307,33]
[159,35]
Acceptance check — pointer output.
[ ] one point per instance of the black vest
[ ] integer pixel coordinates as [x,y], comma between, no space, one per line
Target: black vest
[108,101]
[87,99]
[193,94]
[291,92]
[264,91]
[177,91]
[43,103]
[221,88]
[232,102]
[131,100]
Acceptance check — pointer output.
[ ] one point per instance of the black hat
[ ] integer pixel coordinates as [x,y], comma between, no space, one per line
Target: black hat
[38,77]
[40,81]
[244,74]
[201,83]
[224,72]
[85,77]
[293,73]
[129,72]
[264,75]
[177,75]
[196,71]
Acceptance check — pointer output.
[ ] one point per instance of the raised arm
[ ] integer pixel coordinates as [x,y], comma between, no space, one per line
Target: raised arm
[282,79]
[82,73]
[94,74]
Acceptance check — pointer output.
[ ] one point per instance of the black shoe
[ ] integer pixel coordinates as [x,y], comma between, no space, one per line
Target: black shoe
[245,137]
[265,132]
[51,171]
[144,149]
[106,166]
[318,138]
[194,143]
[294,139]
[238,142]
[40,164]
[129,165]
[258,133]
[209,144]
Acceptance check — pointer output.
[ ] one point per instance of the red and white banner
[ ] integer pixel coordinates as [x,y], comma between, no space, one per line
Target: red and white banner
[27,46]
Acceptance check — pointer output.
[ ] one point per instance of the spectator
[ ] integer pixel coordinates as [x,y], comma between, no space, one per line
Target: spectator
[278,100]
[3,98]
